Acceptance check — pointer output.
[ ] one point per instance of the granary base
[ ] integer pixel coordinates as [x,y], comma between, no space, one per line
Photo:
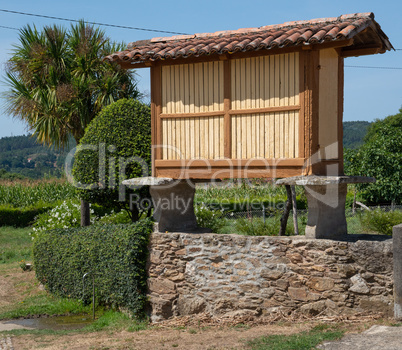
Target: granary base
[326,211]
[326,197]
[174,206]
[173,202]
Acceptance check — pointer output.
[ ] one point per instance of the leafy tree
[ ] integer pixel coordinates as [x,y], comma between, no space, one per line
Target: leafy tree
[116,146]
[380,157]
[58,81]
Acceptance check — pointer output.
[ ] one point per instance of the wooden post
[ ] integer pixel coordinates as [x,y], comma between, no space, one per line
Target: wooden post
[285,215]
[85,213]
[294,204]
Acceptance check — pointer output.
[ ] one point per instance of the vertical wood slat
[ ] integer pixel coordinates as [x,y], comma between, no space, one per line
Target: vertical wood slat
[311,60]
[156,110]
[171,129]
[192,136]
[340,113]
[243,105]
[302,100]
[292,134]
[272,103]
[227,122]
[282,102]
[204,122]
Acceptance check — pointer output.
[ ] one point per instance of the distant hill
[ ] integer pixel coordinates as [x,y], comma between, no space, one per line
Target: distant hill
[353,133]
[25,156]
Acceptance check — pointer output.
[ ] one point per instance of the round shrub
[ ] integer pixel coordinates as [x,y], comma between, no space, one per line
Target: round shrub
[116,146]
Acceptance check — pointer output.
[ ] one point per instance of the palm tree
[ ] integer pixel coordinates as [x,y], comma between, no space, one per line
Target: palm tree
[58,82]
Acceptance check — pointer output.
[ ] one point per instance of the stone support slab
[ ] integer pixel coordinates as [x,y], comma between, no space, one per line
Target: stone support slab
[326,197]
[174,206]
[326,211]
[397,248]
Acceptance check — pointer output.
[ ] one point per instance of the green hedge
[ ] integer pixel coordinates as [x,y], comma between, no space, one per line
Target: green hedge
[116,253]
[20,217]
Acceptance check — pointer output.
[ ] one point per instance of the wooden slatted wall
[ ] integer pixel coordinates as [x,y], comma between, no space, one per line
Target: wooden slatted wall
[192,88]
[193,108]
[262,82]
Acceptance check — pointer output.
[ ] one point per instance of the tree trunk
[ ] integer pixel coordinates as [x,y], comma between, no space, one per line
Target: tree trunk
[285,215]
[294,205]
[134,213]
[85,213]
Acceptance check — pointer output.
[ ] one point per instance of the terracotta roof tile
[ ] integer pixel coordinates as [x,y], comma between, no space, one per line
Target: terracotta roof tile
[297,33]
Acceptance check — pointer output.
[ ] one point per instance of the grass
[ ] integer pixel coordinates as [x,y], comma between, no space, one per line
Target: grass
[116,321]
[241,195]
[301,341]
[15,244]
[44,304]
[355,226]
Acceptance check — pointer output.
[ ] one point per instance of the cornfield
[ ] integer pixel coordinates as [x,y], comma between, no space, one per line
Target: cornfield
[30,193]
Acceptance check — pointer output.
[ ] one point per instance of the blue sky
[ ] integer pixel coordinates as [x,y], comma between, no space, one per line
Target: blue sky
[369,93]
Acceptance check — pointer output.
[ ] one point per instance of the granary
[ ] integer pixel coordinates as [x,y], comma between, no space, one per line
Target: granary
[261,102]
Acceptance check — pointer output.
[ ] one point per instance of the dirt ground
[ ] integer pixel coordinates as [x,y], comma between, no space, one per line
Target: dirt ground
[155,339]
[191,333]
[15,286]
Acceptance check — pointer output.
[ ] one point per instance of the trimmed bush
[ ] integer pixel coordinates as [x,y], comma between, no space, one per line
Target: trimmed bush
[117,255]
[116,143]
[20,217]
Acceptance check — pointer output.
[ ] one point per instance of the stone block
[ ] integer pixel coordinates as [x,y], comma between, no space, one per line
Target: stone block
[320,284]
[271,274]
[346,270]
[160,308]
[313,309]
[397,254]
[161,286]
[359,285]
[189,305]
[282,284]
[298,293]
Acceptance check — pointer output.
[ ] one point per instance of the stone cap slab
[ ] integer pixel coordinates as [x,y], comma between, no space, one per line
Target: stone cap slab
[148,181]
[315,180]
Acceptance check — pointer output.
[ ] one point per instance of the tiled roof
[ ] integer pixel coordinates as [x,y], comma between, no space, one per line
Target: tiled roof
[362,27]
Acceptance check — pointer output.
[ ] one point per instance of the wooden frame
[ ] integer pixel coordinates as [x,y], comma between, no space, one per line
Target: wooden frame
[340,113]
[306,161]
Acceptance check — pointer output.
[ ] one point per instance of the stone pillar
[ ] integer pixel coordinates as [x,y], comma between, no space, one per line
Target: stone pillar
[397,248]
[326,197]
[326,211]
[174,206]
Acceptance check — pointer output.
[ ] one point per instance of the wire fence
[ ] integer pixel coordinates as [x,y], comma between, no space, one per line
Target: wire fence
[268,212]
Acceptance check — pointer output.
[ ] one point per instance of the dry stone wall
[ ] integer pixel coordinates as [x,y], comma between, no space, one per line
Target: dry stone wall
[228,274]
